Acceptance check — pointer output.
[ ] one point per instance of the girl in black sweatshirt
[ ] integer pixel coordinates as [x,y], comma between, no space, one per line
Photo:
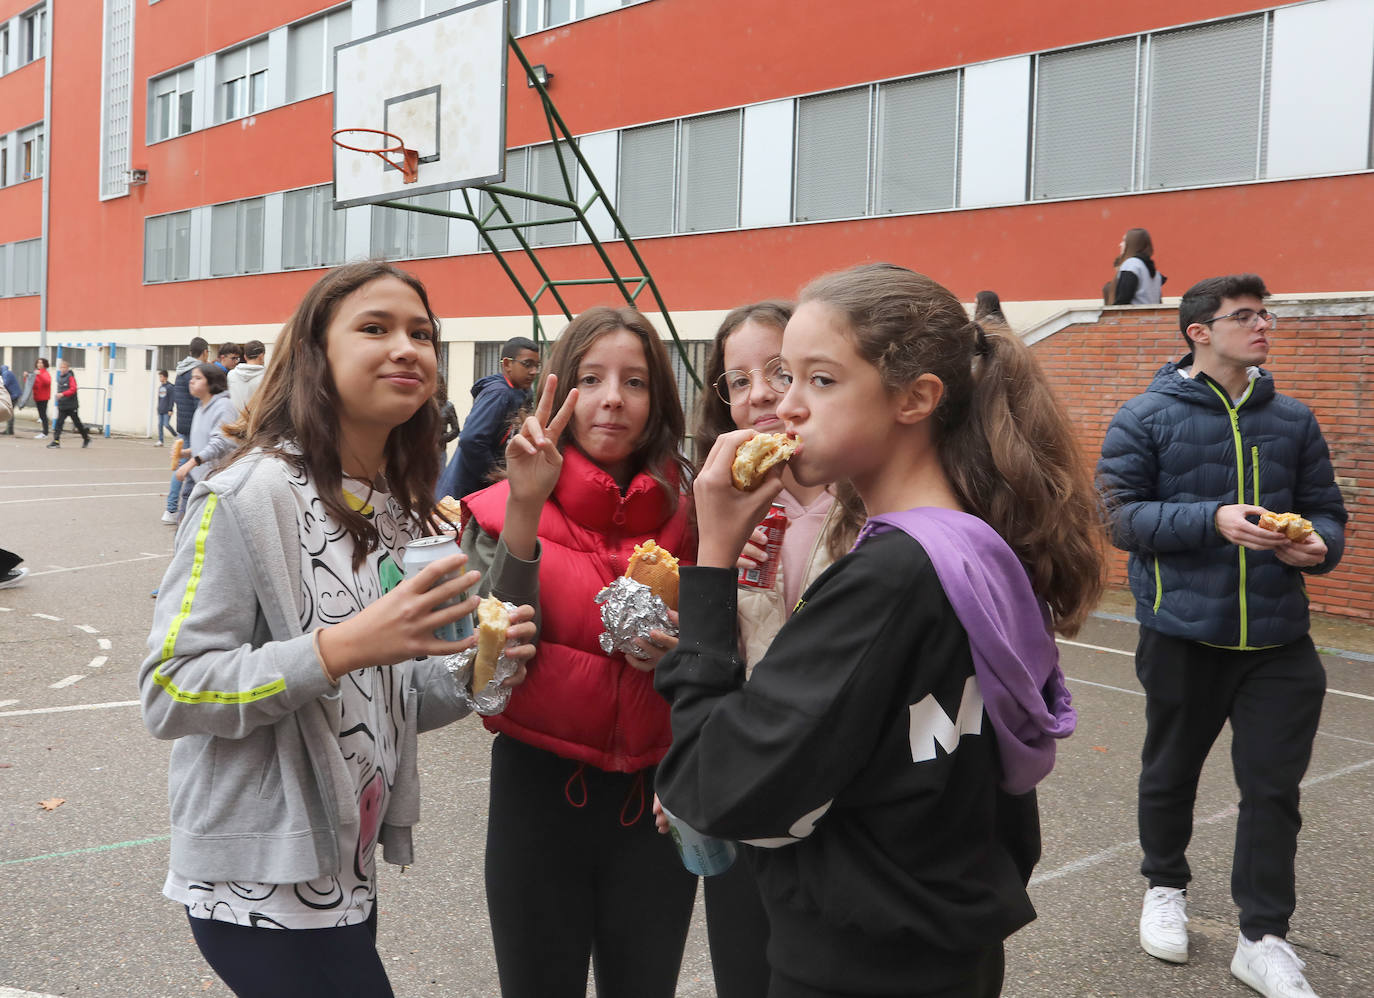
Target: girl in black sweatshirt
[884,751]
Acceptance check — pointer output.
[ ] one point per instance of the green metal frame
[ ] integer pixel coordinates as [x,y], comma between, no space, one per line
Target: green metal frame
[499,219]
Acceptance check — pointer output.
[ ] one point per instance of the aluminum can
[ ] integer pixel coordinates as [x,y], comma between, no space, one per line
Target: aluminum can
[765,575]
[421,552]
[701,854]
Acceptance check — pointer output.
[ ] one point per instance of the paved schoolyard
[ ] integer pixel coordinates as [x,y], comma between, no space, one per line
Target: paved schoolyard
[81,912]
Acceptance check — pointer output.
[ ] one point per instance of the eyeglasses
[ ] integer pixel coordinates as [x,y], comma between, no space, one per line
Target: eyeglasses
[528,363]
[733,387]
[1247,317]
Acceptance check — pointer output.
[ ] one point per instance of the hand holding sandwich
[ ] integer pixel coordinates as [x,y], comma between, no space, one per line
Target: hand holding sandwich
[732,514]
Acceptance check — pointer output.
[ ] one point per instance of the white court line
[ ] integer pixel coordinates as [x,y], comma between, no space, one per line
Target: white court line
[1104,686]
[78,485]
[47,616]
[111,495]
[48,471]
[64,683]
[6,609]
[16,993]
[86,627]
[101,564]
[1118,651]
[104,643]
[1230,812]
[7,703]
[63,710]
[97,662]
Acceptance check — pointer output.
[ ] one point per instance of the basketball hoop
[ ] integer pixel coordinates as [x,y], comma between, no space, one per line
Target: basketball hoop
[409,164]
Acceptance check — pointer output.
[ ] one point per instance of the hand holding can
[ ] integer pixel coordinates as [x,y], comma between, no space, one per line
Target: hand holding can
[701,854]
[423,551]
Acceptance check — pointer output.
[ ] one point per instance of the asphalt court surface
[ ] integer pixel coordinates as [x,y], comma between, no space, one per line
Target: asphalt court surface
[81,911]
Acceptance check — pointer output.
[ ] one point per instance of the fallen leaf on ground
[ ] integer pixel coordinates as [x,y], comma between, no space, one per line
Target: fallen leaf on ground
[52,803]
[1099,748]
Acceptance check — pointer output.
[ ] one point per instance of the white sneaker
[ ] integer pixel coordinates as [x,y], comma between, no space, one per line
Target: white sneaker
[158,443]
[13,577]
[1163,924]
[169,517]
[1270,967]
[39,436]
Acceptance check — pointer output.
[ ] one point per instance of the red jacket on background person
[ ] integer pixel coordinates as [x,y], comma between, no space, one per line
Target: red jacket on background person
[42,385]
[578,702]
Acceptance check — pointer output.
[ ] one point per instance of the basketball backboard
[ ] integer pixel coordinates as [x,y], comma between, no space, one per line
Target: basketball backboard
[439,85]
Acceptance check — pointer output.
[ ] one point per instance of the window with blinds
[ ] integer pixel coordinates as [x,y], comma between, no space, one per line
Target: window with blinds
[517,208]
[310,53]
[547,179]
[241,81]
[918,144]
[398,234]
[236,237]
[116,98]
[647,164]
[167,247]
[709,172]
[1085,102]
[1203,115]
[392,13]
[312,231]
[832,155]
[170,98]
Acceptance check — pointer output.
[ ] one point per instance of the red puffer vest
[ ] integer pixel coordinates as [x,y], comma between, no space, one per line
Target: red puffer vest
[577,702]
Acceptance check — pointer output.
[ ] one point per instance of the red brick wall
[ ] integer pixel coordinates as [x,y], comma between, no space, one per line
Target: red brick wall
[1323,360]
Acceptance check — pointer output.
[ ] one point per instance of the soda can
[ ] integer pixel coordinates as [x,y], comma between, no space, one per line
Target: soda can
[701,854]
[421,552]
[763,576]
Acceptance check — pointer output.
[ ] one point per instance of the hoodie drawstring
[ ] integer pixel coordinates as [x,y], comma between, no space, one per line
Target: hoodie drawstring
[580,779]
[635,794]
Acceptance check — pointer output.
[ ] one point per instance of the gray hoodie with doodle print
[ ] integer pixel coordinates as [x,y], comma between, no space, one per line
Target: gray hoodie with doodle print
[258,787]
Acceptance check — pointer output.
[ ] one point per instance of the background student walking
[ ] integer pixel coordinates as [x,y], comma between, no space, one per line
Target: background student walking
[164,407]
[42,392]
[68,405]
[1186,468]
[1137,280]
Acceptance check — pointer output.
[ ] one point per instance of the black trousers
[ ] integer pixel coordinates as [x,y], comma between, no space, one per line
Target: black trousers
[1273,699]
[62,416]
[339,962]
[42,408]
[737,928]
[568,883]
[981,975]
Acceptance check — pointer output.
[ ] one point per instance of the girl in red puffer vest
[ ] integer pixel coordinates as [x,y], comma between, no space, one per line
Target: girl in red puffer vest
[574,868]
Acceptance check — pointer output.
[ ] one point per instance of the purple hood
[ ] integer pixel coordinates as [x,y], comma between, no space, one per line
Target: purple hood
[1014,655]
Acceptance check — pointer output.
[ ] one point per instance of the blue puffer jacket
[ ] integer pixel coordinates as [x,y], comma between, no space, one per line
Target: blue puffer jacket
[1170,459]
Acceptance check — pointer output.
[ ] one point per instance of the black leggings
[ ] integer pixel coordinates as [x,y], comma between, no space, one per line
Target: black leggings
[737,928]
[337,962]
[982,978]
[62,416]
[42,407]
[575,869]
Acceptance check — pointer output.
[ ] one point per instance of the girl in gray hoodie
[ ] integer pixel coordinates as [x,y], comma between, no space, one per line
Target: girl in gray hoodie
[290,660]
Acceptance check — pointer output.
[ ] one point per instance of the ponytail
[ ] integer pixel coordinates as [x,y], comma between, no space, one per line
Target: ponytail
[1005,444]
[1015,462]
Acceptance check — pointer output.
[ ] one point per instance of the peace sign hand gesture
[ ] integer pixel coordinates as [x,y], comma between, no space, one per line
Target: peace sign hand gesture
[533,462]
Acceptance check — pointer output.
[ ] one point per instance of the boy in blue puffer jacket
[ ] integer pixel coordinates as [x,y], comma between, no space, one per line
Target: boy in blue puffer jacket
[1186,469]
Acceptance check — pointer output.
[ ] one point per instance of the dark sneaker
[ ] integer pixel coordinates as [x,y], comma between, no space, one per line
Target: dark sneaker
[53,444]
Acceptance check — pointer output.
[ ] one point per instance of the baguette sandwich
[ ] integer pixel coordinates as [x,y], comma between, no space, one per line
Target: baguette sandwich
[1290,524]
[492,624]
[656,568]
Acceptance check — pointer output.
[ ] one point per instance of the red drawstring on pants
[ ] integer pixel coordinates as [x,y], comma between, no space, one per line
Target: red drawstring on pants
[636,793]
[581,781]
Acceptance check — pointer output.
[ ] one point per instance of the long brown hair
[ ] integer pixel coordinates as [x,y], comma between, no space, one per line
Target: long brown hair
[658,452]
[294,415]
[1136,243]
[713,418]
[1004,441]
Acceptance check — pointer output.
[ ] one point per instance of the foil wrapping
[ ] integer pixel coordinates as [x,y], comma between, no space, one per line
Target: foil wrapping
[629,611]
[493,697]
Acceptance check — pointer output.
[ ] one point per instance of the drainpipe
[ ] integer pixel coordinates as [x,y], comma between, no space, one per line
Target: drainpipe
[47,183]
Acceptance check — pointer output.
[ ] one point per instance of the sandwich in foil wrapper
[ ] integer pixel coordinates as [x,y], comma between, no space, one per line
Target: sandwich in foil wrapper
[629,611]
[492,698]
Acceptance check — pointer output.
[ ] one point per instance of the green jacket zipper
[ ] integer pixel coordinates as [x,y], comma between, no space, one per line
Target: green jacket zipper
[1232,411]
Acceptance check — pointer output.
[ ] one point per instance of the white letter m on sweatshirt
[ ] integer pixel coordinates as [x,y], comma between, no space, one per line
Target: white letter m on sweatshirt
[930,723]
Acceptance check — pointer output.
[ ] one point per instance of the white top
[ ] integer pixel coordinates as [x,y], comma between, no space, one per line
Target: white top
[368,736]
[1149,287]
